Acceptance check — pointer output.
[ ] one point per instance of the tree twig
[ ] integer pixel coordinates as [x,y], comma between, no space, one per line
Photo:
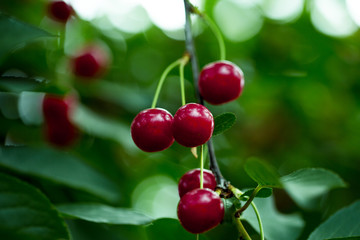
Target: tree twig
[190,48]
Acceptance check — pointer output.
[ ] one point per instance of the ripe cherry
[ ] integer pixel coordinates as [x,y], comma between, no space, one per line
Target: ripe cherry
[200,210]
[151,130]
[60,11]
[191,180]
[221,82]
[193,125]
[59,130]
[91,62]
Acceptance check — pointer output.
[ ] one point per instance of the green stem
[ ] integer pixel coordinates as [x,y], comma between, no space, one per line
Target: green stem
[202,166]
[248,202]
[162,80]
[240,227]
[182,84]
[259,220]
[214,28]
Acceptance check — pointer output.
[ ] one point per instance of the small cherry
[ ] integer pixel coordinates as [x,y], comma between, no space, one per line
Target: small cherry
[91,62]
[193,125]
[200,210]
[191,180]
[60,11]
[57,111]
[221,82]
[151,130]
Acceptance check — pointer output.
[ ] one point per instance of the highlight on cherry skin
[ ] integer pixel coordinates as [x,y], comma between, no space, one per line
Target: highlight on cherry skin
[151,130]
[90,62]
[59,11]
[200,210]
[193,125]
[59,129]
[191,180]
[221,82]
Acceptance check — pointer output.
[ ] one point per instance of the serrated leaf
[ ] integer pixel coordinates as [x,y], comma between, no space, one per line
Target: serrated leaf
[26,214]
[276,225]
[223,122]
[263,193]
[167,228]
[104,214]
[262,173]
[344,224]
[306,186]
[15,33]
[60,167]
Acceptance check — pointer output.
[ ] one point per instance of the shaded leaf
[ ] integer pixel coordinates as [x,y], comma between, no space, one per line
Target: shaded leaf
[167,228]
[104,214]
[19,84]
[16,33]
[223,122]
[25,213]
[60,167]
[276,225]
[344,224]
[306,186]
[263,193]
[262,173]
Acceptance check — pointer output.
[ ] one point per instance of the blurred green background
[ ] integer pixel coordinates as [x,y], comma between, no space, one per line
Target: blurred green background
[300,106]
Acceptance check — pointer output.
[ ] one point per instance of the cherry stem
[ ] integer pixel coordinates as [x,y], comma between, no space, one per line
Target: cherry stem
[249,201]
[214,28]
[202,166]
[243,233]
[214,167]
[181,72]
[163,77]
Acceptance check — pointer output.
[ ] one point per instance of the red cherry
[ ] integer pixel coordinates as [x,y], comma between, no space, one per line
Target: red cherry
[91,62]
[151,130]
[59,130]
[221,82]
[200,210]
[191,180]
[193,125]
[60,11]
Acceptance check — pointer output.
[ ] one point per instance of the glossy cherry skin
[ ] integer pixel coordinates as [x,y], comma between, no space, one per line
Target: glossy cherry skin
[90,63]
[57,111]
[193,125]
[221,82]
[200,210]
[191,180]
[60,11]
[151,130]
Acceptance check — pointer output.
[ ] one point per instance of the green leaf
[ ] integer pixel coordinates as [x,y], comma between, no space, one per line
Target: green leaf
[263,193]
[60,167]
[276,225]
[26,214]
[306,186]
[167,228]
[104,214]
[103,127]
[19,84]
[230,206]
[262,173]
[223,122]
[345,223]
[15,33]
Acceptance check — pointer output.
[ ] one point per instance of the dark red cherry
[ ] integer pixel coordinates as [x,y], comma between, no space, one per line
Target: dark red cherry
[60,11]
[193,125]
[200,210]
[191,180]
[221,82]
[59,129]
[91,62]
[151,130]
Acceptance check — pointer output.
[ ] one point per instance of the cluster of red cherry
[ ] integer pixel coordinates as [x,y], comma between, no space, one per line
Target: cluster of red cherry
[88,64]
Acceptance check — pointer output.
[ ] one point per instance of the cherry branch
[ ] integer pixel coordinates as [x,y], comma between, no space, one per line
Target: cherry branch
[190,48]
